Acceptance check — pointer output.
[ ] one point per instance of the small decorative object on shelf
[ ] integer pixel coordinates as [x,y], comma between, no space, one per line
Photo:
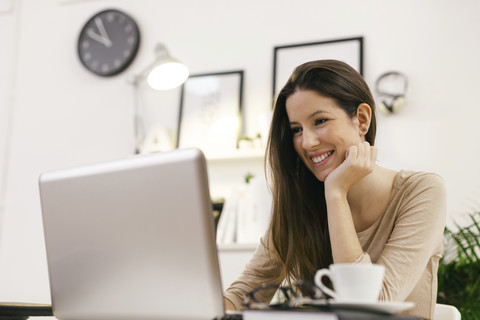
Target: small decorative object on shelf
[217,206]
[250,143]
[248,177]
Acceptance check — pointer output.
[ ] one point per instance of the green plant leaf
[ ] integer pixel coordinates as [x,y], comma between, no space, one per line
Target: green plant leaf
[459,276]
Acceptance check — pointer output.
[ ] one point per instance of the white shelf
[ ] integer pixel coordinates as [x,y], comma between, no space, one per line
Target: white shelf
[237,247]
[253,154]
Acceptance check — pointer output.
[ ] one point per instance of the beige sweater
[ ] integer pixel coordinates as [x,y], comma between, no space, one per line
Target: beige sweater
[407,240]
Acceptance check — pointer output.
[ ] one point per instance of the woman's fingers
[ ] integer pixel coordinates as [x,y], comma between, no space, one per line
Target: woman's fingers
[373,157]
[352,152]
[362,155]
[361,151]
[359,161]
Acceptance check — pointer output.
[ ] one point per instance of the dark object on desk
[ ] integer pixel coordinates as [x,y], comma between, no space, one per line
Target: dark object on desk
[364,315]
[322,313]
[22,311]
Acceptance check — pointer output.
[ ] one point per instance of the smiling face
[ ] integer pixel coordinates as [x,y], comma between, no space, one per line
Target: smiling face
[321,131]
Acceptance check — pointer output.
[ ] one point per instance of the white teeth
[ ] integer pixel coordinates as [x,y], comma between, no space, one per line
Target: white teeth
[322,157]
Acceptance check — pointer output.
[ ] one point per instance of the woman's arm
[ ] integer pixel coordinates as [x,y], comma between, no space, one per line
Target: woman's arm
[416,237]
[359,162]
[346,247]
[263,268]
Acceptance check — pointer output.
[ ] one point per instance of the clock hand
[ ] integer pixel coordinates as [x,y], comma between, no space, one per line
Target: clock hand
[96,37]
[103,32]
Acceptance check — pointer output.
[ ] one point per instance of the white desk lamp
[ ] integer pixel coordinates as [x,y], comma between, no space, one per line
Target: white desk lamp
[164,73]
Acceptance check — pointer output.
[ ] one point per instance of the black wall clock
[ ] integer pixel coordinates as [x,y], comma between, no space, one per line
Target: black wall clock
[108,42]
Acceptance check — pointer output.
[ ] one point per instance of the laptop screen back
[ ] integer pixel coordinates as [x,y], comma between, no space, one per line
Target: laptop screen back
[132,239]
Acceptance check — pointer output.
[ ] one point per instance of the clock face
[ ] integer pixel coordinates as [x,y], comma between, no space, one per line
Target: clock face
[108,42]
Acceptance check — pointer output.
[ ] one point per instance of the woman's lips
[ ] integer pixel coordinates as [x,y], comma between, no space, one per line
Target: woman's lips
[318,159]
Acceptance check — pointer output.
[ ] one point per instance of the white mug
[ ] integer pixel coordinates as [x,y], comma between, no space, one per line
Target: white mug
[352,282]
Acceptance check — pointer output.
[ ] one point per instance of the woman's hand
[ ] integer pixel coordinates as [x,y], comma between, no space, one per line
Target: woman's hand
[359,162]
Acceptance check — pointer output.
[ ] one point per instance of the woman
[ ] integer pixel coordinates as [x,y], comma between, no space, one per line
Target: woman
[334,204]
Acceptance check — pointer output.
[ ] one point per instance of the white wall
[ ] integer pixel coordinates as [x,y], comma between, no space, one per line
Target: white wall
[8,23]
[64,116]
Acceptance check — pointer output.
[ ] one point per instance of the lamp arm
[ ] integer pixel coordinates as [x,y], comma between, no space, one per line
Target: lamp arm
[138,124]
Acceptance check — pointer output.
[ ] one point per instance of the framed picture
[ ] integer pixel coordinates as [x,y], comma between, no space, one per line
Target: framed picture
[211,112]
[287,58]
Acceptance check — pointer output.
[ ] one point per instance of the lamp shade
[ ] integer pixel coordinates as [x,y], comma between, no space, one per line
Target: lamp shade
[166,72]
[167,75]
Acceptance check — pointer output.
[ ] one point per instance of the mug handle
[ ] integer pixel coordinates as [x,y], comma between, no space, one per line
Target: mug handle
[318,281]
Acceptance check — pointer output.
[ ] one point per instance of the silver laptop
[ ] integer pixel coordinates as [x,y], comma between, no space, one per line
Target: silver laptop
[132,239]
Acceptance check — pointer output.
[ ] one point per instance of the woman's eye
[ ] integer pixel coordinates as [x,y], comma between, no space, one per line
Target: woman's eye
[320,121]
[296,130]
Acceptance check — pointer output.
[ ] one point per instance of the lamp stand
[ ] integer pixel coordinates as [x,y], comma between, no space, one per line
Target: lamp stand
[138,125]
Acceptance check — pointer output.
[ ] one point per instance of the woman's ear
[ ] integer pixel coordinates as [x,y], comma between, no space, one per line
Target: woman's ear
[364,115]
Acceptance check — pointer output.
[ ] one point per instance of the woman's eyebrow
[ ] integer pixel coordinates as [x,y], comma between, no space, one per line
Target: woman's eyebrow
[316,113]
[313,115]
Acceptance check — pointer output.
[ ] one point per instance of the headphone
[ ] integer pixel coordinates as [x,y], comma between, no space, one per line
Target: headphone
[391,102]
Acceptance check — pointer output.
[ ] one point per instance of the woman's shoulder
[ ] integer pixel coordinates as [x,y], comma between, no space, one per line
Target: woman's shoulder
[408,180]
[419,191]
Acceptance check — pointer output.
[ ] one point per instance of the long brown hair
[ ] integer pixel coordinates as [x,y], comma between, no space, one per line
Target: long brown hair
[299,226]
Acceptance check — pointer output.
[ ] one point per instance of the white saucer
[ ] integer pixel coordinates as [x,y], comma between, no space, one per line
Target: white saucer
[382,306]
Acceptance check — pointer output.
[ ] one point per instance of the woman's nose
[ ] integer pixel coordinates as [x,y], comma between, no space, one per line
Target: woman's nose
[310,139]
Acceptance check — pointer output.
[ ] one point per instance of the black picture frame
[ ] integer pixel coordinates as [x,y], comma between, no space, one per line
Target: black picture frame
[287,57]
[210,116]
